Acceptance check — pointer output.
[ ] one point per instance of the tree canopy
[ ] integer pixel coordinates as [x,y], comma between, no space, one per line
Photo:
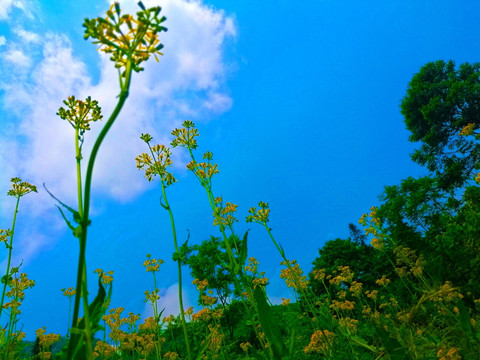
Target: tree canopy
[441,100]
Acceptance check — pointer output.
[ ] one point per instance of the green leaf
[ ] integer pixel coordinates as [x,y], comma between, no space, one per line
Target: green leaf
[76,216]
[77,231]
[392,346]
[243,250]
[96,311]
[271,331]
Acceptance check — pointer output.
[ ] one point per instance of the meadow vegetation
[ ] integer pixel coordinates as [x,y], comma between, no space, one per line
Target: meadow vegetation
[404,285]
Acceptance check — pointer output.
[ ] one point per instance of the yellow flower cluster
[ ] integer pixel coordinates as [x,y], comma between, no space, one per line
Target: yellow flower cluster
[451,354]
[149,325]
[447,293]
[252,265]
[374,227]
[201,284]
[216,338]
[143,345]
[383,281]
[113,319]
[245,346]
[45,341]
[349,324]
[80,113]
[356,288]
[152,296]
[208,300]
[342,305]
[203,170]
[171,355]
[127,38]
[69,292]
[368,313]
[103,350]
[293,275]
[263,281]
[157,163]
[185,136]
[319,274]
[377,244]
[259,216]
[106,277]
[225,214]
[372,294]
[20,188]
[467,130]
[408,261]
[17,292]
[320,342]
[285,302]
[4,234]
[345,275]
[152,265]
[203,315]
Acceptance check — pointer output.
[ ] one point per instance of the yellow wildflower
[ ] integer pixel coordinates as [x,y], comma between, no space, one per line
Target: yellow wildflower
[320,342]
[467,130]
[383,281]
[20,188]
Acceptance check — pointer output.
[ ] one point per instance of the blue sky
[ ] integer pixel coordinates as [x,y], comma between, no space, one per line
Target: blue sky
[298,101]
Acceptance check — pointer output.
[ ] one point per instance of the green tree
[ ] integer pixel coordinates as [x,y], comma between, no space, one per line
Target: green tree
[208,261]
[440,101]
[367,264]
[442,227]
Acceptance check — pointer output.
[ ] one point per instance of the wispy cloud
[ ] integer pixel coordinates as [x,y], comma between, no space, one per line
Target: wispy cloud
[17,58]
[7,5]
[188,82]
[3,41]
[27,36]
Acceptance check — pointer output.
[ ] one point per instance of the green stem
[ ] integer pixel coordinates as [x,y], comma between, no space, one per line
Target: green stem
[236,267]
[84,219]
[10,248]
[174,232]
[69,316]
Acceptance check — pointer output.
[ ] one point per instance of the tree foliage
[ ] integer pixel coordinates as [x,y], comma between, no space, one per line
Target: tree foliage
[440,101]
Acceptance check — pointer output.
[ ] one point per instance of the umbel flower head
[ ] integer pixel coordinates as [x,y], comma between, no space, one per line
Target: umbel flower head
[157,163]
[185,136]
[259,216]
[20,188]
[80,113]
[127,38]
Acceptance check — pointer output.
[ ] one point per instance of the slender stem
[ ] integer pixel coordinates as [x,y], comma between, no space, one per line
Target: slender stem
[297,279]
[10,248]
[174,232]
[237,269]
[84,220]
[78,157]
[180,294]
[69,316]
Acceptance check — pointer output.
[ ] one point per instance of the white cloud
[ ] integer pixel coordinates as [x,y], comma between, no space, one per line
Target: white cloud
[3,41]
[17,58]
[6,5]
[27,36]
[169,302]
[188,81]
